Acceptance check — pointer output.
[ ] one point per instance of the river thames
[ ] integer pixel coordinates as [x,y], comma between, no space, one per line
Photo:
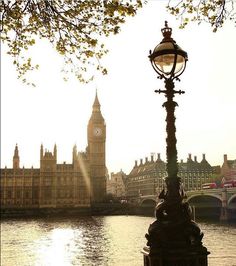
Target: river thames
[97,241]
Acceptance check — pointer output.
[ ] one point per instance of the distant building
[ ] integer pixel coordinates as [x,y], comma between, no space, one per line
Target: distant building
[228,169]
[148,177]
[116,184]
[60,185]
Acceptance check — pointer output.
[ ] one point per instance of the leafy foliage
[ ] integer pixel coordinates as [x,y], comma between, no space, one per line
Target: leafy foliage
[74,27]
[215,12]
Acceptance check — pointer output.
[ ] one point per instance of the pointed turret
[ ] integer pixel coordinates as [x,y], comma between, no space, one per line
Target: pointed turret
[16,158]
[75,149]
[41,152]
[74,154]
[16,152]
[55,151]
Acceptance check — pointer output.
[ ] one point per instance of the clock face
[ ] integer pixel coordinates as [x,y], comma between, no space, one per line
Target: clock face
[97,131]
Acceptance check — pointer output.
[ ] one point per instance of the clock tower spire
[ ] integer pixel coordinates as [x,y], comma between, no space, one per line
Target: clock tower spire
[96,151]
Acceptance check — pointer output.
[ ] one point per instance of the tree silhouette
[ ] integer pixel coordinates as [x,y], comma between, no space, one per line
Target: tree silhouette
[73,27]
[215,12]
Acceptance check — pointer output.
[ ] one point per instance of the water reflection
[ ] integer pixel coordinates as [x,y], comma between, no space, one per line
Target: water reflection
[220,239]
[57,248]
[110,240]
[76,242]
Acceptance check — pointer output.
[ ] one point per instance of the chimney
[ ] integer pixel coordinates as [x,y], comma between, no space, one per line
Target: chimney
[195,159]
[203,156]
[152,158]
[141,161]
[158,156]
[190,156]
[146,159]
[135,163]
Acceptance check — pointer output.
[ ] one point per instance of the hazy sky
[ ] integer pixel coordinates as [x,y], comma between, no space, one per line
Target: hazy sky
[58,112]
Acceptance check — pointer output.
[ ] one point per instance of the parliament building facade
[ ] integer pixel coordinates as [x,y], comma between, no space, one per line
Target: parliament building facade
[54,185]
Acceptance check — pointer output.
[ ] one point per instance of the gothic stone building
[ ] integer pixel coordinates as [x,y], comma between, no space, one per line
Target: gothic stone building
[148,177]
[56,185]
[116,185]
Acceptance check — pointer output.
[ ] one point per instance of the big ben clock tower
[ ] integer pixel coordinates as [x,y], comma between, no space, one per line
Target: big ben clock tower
[96,152]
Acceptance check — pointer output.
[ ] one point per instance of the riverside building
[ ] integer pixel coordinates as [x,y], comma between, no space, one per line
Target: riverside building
[54,185]
[116,185]
[148,177]
[228,169]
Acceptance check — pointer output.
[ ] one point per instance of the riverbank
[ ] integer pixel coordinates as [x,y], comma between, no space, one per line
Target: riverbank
[100,209]
[96,209]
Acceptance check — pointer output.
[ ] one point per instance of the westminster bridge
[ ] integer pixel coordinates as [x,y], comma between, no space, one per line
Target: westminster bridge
[219,202]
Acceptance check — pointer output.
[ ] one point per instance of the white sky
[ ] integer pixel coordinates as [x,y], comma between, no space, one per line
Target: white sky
[58,112]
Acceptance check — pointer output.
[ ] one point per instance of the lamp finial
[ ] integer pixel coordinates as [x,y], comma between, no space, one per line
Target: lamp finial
[167,31]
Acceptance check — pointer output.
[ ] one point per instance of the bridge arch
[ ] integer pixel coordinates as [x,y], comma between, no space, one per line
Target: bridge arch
[148,203]
[231,199]
[206,205]
[203,195]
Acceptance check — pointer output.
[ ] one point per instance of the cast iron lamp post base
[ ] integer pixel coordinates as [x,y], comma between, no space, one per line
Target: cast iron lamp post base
[176,257]
[174,239]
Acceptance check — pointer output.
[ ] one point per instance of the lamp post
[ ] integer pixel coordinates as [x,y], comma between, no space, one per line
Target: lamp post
[174,238]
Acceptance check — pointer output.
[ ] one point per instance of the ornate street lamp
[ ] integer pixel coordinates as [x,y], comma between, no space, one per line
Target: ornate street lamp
[173,239]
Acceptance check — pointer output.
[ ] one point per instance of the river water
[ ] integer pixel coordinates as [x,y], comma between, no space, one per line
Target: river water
[97,241]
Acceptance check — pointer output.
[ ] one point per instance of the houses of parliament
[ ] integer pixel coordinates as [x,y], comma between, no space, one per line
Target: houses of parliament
[53,185]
